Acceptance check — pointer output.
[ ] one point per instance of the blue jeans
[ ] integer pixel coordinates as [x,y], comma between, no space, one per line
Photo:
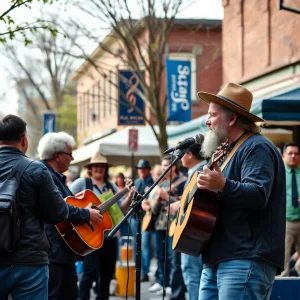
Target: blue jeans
[177,284]
[146,251]
[160,242]
[244,279]
[191,270]
[24,282]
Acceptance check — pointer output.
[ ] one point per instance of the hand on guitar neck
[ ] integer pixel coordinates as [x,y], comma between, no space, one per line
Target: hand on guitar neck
[211,179]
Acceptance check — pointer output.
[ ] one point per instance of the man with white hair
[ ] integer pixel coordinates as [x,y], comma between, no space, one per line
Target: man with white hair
[55,152]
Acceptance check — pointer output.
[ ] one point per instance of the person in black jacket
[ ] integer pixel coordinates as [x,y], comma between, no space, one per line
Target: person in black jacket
[24,273]
[55,152]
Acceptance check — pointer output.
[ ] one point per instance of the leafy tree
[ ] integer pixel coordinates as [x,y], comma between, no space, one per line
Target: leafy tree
[11,28]
[67,115]
[141,42]
[40,73]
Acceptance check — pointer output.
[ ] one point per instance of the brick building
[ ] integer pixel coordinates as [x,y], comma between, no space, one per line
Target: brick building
[261,50]
[199,41]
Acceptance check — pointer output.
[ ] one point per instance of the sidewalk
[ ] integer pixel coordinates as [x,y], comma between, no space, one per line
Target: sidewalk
[145,295]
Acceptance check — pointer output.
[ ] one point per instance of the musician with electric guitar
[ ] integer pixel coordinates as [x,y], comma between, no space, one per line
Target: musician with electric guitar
[158,209]
[239,205]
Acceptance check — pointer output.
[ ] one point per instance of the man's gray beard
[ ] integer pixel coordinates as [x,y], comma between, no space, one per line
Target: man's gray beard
[212,141]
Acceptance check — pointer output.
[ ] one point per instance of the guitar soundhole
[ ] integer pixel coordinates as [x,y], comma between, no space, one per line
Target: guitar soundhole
[186,203]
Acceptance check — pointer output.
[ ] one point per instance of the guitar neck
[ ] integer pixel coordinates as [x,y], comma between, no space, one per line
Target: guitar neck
[107,204]
[210,163]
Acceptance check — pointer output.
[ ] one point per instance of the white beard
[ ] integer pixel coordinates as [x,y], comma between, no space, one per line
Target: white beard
[213,140]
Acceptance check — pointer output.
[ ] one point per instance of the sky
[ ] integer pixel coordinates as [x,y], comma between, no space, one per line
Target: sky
[206,9]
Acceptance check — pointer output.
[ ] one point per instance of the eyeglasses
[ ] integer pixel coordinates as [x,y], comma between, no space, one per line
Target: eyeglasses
[70,154]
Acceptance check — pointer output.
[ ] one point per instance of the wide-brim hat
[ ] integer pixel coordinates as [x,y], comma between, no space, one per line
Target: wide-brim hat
[97,158]
[235,97]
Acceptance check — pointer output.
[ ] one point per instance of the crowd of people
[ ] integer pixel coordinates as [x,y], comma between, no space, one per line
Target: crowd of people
[256,235]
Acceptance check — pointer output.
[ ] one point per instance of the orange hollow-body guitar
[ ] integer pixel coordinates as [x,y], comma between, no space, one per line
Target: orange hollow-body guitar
[81,238]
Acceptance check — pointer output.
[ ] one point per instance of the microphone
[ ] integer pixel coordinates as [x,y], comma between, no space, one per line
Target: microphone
[197,139]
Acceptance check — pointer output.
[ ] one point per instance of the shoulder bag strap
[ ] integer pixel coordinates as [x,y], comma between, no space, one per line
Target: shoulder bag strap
[88,183]
[237,145]
[19,168]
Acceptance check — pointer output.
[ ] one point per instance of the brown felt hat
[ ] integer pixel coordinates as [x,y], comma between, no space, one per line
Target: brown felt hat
[97,158]
[235,97]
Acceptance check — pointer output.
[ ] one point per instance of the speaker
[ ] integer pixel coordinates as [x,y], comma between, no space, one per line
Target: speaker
[286,288]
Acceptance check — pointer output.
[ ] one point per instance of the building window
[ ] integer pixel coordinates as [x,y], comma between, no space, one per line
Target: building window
[110,92]
[104,96]
[99,101]
[87,109]
[80,104]
[93,105]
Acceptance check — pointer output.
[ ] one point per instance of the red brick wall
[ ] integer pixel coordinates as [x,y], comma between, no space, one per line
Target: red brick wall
[209,61]
[258,38]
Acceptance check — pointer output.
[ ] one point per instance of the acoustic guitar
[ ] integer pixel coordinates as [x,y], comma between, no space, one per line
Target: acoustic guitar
[197,213]
[85,238]
[148,223]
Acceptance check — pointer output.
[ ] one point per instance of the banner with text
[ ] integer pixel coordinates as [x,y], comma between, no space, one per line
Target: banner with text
[179,90]
[49,123]
[129,83]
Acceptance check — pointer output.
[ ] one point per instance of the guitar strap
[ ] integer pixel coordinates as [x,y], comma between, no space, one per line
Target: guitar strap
[237,145]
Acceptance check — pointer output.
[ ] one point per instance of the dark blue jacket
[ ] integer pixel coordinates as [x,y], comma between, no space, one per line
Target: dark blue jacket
[140,184]
[251,223]
[38,196]
[60,252]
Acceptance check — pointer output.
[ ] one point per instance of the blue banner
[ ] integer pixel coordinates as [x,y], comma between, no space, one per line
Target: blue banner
[49,123]
[129,83]
[179,90]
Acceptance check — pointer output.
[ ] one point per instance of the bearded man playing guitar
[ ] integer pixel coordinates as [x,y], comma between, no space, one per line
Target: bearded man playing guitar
[246,248]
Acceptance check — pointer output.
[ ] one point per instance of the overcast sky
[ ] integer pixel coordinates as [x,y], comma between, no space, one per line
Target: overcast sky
[206,9]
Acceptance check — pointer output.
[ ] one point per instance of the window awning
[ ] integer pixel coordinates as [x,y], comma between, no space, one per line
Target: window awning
[283,109]
[115,148]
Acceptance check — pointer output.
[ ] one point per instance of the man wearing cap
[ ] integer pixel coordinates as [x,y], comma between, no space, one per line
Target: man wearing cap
[145,180]
[246,248]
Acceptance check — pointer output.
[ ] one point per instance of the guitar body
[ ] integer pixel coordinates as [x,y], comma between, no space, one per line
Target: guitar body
[148,223]
[196,219]
[80,237]
[172,228]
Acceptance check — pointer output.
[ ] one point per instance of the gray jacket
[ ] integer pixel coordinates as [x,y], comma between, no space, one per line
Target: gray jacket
[38,197]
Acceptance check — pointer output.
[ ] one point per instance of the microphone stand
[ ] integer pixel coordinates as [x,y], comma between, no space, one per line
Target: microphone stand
[136,207]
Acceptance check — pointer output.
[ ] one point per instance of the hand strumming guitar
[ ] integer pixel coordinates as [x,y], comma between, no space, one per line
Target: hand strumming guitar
[162,194]
[146,205]
[95,214]
[211,179]
[173,208]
